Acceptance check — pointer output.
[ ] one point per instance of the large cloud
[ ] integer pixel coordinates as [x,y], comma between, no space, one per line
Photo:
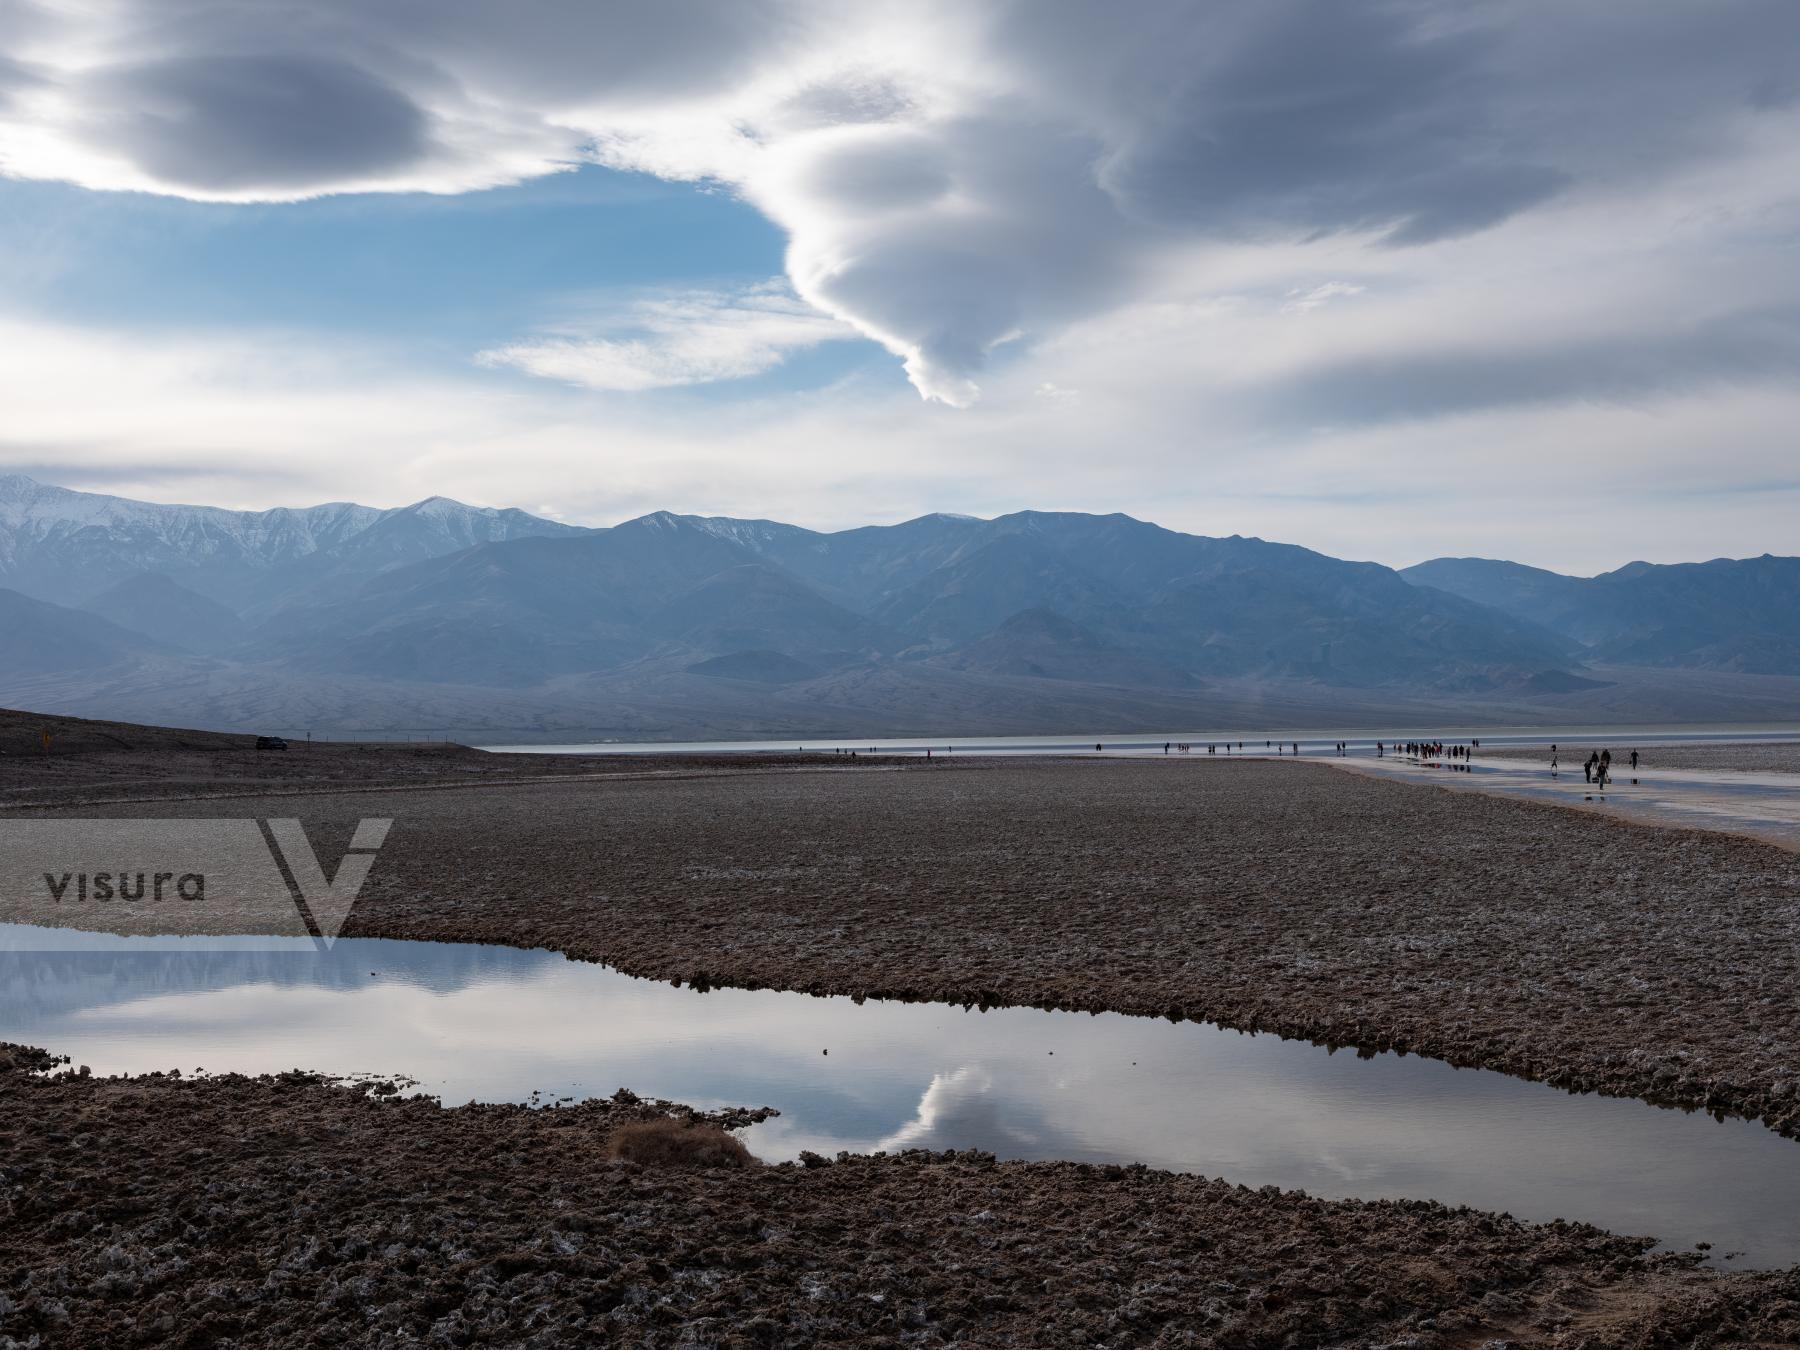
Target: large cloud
[953,177]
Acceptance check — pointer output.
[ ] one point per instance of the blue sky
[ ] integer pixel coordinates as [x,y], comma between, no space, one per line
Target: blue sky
[1391,280]
[438,276]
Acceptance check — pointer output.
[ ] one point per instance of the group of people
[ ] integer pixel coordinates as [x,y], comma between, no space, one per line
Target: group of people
[1431,750]
[1596,768]
[1187,747]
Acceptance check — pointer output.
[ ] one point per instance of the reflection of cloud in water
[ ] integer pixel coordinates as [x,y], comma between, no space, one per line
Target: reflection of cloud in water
[492,1024]
[960,1110]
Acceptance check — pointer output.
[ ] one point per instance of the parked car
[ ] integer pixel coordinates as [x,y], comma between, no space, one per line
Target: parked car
[270,743]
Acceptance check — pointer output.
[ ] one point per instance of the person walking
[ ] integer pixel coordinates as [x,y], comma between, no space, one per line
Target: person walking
[1634,761]
[1589,765]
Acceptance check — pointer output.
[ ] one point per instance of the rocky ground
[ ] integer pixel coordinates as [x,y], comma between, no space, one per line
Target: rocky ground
[1583,950]
[1586,951]
[90,762]
[288,1211]
[1759,758]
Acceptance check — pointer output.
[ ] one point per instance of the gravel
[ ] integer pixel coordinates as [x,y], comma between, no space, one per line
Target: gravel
[1589,952]
[289,1211]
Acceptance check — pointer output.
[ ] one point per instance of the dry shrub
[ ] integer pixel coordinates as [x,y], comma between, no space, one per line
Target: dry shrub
[677,1143]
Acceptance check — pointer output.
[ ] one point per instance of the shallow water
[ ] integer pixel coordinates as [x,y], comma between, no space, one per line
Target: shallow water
[1763,805]
[495,1023]
[1360,742]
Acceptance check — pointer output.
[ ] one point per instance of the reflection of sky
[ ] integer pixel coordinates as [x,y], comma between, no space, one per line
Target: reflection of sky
[1763,804]
[496,1024]
[1360,743]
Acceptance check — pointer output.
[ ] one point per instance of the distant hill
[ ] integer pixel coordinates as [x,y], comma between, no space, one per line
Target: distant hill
[67,546]
[441,615]
[46,639]
[1728,614]
[1549,598]
[163,609]
[1107,594]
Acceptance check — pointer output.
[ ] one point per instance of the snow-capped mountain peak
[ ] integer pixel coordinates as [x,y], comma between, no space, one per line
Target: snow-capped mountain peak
[60,544]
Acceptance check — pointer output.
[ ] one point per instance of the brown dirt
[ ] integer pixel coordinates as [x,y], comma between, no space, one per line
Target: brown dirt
[1586,951]
[1589,952]
[99,773]
[288,1211]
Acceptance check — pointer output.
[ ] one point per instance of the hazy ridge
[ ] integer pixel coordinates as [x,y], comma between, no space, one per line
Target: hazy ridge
[441,616]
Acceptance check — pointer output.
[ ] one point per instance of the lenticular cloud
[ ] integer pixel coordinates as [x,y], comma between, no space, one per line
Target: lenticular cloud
[953,177]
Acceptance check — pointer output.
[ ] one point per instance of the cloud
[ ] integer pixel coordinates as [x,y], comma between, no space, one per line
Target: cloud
[258,123]
[956,180]
[1301,300]
[696,337]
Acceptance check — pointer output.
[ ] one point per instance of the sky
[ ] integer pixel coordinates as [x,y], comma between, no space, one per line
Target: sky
[1393,280]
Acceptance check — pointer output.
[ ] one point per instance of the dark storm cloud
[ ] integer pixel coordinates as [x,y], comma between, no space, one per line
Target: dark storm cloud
[553,50]
[1424,120]
[1750,345]
[15,78]
[225,123]
[1325,116]
[953,176]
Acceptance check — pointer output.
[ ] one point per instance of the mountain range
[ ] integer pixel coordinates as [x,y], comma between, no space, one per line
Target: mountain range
[1727,614]
[501,624]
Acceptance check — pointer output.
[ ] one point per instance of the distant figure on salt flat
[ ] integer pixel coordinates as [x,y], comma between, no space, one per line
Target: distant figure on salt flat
[1634,761]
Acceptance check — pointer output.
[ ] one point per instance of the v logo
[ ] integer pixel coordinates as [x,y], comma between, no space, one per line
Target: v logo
[327,903]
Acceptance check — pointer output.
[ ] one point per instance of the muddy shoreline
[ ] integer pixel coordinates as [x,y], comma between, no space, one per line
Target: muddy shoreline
[1591,953]
[286,1210]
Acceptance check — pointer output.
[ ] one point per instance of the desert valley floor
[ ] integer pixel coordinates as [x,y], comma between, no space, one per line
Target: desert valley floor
[1588,952]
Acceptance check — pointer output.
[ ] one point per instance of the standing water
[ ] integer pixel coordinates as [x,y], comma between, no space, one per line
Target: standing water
[475,1023]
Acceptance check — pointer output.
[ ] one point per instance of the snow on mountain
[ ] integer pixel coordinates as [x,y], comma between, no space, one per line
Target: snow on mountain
[68,546]
[756,535]
[33,510]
